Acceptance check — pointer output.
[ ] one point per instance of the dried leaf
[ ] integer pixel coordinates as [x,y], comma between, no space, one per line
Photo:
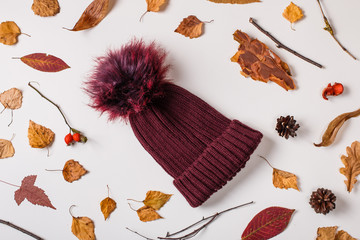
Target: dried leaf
[154,5]
[282,179]
[45,8]
[326,233]
[9,32]
[73,171]
[235,1]
[11,98]
[107,206]
[93,15]
[39,136]
[44,62]
[147,214]
[334,126]
[190,27]
[293,13]
[267,223]
[83,228]
[6,149]
[32,193]
[352,165]
[260,63]
[342,235]
[156,199]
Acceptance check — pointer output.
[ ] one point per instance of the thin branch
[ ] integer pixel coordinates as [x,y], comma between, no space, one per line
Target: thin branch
[21,229]
[280,45]
[331,31]
[139,234]
[9,184]
[266,161]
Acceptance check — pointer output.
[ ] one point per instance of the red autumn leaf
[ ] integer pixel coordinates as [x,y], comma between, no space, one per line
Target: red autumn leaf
[44,62]
[32,193]
[267,223]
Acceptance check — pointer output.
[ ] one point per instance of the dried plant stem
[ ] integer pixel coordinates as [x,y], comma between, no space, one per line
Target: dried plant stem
[331,31]
[139,234]
[140,20]
[12,118]
[9,184]
[280,45]
[266,161]
[26,34]
[21,229]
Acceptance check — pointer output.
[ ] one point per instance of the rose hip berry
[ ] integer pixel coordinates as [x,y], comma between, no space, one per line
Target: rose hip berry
[68,139]
[76,137]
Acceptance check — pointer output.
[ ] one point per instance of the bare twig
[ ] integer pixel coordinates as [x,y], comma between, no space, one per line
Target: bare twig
[139,234]
[280,45]
[331,31]
[21,229]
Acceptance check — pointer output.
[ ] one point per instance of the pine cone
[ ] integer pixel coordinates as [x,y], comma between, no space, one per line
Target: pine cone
[322,200]
[286,126]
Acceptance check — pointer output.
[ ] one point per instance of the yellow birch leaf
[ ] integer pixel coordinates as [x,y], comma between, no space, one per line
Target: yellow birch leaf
[235,1]
[39,136]
[45,8]
[9,32]
[156,199]
[107,206]
[73,171]
[11,98]
[293,13]
[147,214]
[326,233]
[6,149]
[282,179]
[190,27]
[83,228]
[154,5]
[352,165]
[342,235]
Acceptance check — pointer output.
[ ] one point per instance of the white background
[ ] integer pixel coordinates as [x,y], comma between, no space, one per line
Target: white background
[113,155]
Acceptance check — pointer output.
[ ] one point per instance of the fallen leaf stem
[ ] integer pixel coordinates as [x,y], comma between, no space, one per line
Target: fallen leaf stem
[132,207]
[208,21]
[266,161]
[2,110]
[143,15]
[331,31]
[26,34]
[280,45]
[53,170]
[12,118]
[70,210]
[21,229]
[130,199]
[9,184]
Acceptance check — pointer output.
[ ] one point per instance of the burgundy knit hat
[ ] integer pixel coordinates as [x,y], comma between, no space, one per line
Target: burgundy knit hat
[198,146]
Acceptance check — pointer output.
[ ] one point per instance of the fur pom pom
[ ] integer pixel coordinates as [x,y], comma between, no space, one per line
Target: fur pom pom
[125,81]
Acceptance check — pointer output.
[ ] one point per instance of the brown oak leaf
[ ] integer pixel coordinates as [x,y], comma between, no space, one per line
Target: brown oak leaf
[83,228]
[147,214]
[45,8]
[260,63]
[39,136]
[73,171]
[92,16]
[154,5]
[107,206]
[9,32]
[6,149]
[33,194]
[352,165]
[11,98]
[282,179]
[190,27]
[235,1]
[342,235]
[156,199]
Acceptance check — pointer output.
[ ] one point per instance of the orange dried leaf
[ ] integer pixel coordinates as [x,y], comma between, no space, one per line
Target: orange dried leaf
[352,165]
[282,179]
[147,214]
[107,206]
[293,13]
[93,15]
[83,228]
[9,32]
[73,171]
[6,149]
[156,199]
[326,233]
[235,1]
[260,63]
[342,235]
[190,27]
[154,5]
[11,98]
[39,136]
[45,8]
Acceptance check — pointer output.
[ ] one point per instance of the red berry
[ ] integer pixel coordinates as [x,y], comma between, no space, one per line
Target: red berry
[76,137]
[68,139]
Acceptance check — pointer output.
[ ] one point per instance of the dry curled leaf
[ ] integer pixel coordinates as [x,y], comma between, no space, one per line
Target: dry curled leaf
[293,13]
[154,5]
[93,15]
[260,63]
[190,27]
[33,194]
[342,235]
[9,32]
[39,136]
[11,98]
[147,214]
[282,179]
[83,228]
[6,149]
[44,62]
[45,8]
[156,199]
[326,233]
[235,1]
[73,171]
[334,126]
[107,206]
[352,165]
